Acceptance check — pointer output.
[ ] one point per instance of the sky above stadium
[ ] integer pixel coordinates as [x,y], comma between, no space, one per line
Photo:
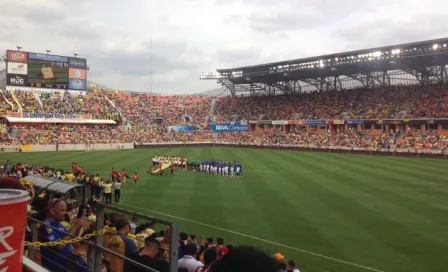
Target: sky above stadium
[177,40]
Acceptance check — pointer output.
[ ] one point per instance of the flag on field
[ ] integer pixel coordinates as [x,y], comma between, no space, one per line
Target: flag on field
[164,166]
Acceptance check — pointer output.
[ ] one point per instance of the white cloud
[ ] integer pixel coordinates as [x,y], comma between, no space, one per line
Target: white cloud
[190,37]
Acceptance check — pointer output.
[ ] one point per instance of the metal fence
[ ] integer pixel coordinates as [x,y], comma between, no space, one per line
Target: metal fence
[96,250]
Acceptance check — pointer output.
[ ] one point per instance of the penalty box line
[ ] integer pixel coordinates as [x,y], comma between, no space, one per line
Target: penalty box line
[256,238]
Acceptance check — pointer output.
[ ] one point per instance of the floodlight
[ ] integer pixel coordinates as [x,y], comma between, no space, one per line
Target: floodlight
[75,54]
[336,59]
[444,45]
[435,46]
[48,51]
[18,47]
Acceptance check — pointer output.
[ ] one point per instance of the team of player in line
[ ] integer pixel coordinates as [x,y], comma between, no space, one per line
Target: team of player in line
[211,166]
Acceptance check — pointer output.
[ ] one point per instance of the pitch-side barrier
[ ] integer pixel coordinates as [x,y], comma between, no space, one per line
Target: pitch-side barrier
[434,154]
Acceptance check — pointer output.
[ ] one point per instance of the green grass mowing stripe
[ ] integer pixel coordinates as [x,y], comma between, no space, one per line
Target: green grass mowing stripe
[402,230]
[353,234]
[338,228]
[355,212]
[435,179]
[293,223]
[411,201]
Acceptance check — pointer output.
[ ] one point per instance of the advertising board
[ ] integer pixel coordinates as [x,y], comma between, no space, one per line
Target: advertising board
[77,84]
[182,128]
[229,127]
[76,73]
[17,56]
[77,63]
[17,68]
[16,80]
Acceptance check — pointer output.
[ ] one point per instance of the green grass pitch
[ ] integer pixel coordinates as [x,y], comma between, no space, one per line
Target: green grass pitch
[328,212]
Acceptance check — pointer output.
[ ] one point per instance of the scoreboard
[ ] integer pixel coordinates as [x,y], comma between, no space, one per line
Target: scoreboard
[45,71]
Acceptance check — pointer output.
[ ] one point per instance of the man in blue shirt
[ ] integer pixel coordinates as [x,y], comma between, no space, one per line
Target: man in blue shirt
[54,258]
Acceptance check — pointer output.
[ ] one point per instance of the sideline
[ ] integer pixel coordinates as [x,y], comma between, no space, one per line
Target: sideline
[255,238]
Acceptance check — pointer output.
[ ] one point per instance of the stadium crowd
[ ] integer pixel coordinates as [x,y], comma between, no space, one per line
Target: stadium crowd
[147,116]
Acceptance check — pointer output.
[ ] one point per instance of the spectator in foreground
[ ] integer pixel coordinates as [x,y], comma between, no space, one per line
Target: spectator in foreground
[140,236]
[292,266]
[78,259]
[133,224]
[281,267]
[189,260]
[210,257]
[148,256]
[55,258]
[121,244]
[245,259]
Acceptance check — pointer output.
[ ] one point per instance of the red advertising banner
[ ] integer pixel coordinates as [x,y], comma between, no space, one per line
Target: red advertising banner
[76,73]
[17,56]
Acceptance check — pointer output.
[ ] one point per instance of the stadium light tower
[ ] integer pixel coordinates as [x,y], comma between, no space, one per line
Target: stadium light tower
[48,51]
[75,54]
[18,47]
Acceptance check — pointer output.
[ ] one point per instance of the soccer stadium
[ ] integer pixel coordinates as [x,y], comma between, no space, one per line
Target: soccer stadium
[331,163]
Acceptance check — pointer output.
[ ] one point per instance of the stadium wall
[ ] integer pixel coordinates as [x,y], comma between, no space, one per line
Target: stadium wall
[341,150]
[66,147]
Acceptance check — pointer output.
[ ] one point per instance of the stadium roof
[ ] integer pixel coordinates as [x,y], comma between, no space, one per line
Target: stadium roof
[409,61]
[389,48]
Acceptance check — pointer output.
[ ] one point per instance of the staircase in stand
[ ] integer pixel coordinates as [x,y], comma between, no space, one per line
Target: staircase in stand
[37,97]
[17,101]
[113,105]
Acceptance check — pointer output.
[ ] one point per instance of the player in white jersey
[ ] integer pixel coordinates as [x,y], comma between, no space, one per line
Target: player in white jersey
[226,170]
[201,166]
[238,171]
[231,171]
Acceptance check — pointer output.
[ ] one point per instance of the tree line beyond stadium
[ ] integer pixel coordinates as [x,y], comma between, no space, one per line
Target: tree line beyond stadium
[25,69]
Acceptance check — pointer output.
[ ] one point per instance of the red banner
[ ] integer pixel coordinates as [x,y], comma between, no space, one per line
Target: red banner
[17,56]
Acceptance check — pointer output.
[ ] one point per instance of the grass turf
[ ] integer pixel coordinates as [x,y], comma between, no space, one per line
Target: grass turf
[382,213]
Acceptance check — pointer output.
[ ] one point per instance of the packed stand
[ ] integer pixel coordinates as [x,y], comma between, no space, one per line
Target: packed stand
[387,103]
[28,101]
[140,109]
[67,103]
[4,106]
[352,139]
[66,134]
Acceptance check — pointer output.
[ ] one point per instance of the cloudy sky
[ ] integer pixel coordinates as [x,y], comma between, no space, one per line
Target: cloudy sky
[178,39]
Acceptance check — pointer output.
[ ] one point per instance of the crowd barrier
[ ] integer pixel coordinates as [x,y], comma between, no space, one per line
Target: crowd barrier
[398,153]
[65,147]
[96,250]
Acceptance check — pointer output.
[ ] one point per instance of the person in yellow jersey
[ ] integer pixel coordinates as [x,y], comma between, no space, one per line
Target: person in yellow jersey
[121,244]
[140,235]
[97,186]
[70,177]
[108,192]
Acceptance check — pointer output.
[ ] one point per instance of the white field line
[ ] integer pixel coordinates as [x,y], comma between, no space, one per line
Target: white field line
[256,238]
